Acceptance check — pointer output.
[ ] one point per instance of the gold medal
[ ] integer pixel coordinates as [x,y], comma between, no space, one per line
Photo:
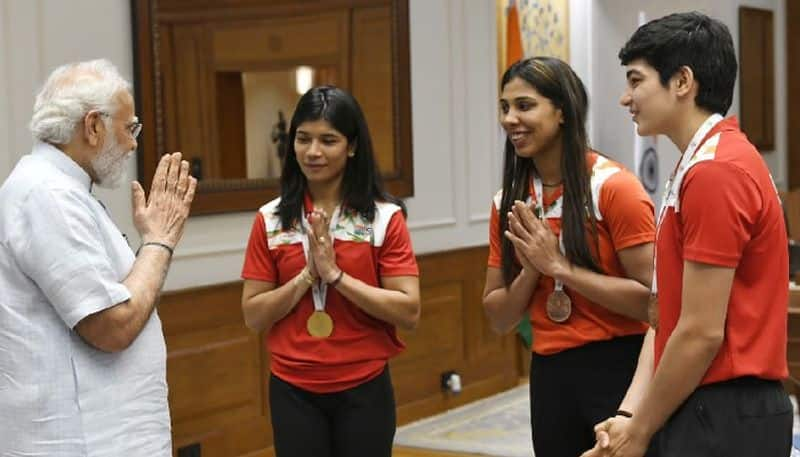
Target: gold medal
[319,324]
[652,311]
[559,306]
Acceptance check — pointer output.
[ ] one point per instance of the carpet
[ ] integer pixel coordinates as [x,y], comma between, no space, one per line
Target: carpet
[497,426]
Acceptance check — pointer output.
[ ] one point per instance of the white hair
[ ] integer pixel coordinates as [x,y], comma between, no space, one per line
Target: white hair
[71,91]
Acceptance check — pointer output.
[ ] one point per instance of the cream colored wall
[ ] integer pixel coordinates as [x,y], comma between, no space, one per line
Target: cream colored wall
[456,138]
[37,36]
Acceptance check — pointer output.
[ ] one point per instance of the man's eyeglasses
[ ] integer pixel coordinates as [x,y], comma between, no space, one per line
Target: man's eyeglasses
[134,128]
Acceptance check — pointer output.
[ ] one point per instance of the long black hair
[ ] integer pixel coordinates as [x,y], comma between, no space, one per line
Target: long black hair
[362,185]
[556,81]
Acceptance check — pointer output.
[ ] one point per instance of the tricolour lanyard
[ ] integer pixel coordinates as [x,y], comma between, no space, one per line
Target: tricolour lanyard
[672,187]
[553,212]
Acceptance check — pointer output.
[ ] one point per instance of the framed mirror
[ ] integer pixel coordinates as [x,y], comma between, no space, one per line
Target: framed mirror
[218,80]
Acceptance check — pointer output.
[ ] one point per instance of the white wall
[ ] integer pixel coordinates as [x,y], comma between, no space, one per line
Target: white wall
[456,158]
[614,21]
[456,137]
[457,149]
[37,36]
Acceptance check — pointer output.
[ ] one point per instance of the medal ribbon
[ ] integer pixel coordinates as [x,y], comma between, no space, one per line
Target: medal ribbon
[672,188]
[319,289]
[552,212]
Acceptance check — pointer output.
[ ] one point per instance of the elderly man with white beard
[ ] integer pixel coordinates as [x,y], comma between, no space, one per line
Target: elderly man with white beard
[82,353]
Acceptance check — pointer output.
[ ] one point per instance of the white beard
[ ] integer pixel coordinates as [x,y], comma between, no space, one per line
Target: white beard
[109,165]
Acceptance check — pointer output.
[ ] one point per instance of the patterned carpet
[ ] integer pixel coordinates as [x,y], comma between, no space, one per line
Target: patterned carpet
[496,426]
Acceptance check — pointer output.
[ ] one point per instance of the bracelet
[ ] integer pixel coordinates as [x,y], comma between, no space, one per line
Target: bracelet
[623,413]
[335,282]
[304,276]
[156,243]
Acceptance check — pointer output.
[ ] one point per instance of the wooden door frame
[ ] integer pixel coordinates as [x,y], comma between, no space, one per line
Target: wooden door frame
[793,93]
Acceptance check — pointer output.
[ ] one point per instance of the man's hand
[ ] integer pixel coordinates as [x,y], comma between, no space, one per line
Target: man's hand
[161,218]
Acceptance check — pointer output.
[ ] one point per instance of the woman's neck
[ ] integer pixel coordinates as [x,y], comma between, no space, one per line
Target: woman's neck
[326,195]
[548,165]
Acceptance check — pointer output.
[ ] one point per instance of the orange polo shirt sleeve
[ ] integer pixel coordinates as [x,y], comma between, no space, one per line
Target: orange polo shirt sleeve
[627,211]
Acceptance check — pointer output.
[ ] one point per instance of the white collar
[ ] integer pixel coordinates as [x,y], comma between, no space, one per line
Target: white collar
[63,162]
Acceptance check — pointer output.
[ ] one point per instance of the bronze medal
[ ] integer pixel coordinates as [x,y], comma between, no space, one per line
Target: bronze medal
[319,324]
[652,311]
[559,306]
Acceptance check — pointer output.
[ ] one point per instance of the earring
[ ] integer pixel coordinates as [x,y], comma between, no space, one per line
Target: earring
[351,153]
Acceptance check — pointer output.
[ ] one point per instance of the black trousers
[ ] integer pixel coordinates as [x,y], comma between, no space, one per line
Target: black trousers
[743,417]
[358,422]
[573,390]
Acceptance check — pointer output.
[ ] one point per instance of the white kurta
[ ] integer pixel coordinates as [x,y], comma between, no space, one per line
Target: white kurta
[62,259]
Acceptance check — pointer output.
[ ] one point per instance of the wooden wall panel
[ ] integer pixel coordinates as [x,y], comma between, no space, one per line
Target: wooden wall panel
[791,211]
[757,76]
[435,346]
[194,87]
[372,85]
[793,346]
[793,91]
[451,287]
[168,93]
[241,45]
[217,370]
[230,117]
[198,10]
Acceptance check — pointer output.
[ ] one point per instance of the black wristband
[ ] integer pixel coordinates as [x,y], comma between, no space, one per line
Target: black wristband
[156,243]
[623,413]
[338,278]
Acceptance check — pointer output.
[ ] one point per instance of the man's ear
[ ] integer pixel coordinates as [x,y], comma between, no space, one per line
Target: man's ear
[684,82]
[93,128]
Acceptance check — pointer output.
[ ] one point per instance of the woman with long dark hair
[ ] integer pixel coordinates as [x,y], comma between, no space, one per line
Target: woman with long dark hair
[329,273]
[571,248]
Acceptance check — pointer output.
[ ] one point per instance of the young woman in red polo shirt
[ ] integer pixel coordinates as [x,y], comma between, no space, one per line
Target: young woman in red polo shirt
[329,273]
[571,248]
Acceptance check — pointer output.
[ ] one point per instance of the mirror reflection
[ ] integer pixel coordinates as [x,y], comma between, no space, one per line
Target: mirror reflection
[215,83]
[254,112]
